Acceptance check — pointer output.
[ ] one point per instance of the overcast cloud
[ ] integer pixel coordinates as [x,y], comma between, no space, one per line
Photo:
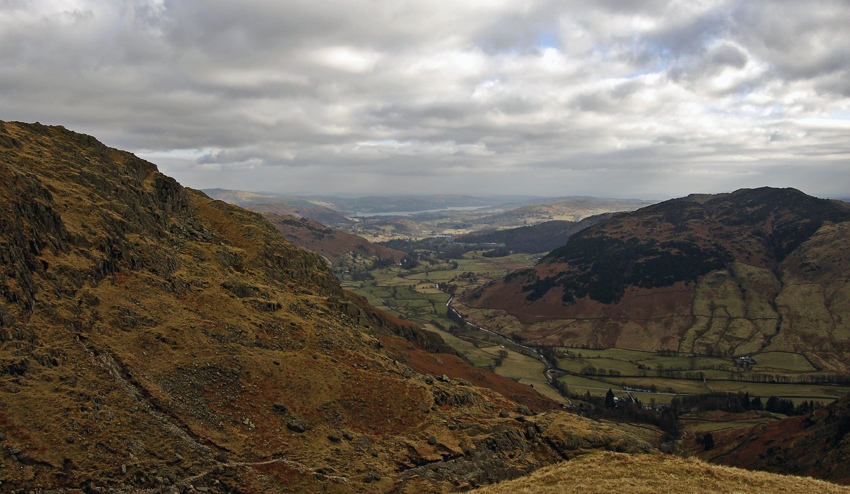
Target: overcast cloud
[612,98]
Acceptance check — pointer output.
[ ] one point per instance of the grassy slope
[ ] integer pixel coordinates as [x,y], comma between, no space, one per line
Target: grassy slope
[605,473]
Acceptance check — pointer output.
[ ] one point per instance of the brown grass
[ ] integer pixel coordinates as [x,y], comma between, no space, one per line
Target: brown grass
[606,473]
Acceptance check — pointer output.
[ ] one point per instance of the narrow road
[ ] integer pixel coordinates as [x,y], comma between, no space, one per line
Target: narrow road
[550,378]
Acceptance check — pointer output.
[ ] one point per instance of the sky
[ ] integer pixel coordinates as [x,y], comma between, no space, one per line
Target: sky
[607,98]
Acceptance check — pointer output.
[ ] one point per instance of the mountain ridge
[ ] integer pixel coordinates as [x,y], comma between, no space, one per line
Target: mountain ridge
[679,274]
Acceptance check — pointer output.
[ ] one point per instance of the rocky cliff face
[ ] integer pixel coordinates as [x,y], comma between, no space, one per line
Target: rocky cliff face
[754,270]
[153,338]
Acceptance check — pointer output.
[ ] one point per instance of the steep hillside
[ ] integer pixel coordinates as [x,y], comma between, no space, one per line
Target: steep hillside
[334,245]
[733,274]
[154,338]
[816,445]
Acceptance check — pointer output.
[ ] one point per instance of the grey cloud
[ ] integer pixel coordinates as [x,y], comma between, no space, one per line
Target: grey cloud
[611,99]
[521,30]
[799,39]
[541,96]
[726,54]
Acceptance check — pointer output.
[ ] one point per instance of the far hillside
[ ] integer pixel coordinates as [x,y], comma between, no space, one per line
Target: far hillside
[538,238]
[811,445]
[756,270]
[383,218]
[338,247]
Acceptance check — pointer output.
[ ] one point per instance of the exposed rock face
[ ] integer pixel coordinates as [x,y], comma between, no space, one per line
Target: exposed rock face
[151,337]
[733,274]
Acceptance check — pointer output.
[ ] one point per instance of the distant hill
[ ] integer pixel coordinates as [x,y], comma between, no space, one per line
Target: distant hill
[385,217]
[534,239]
[570,209]
[369,205]
[731,274]
[320,214]
[283,205]
[247,198]
[328,242]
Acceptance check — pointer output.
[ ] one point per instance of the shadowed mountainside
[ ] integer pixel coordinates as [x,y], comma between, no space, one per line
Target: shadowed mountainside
[533,239]
[154,338]
[732,274]
[815,445]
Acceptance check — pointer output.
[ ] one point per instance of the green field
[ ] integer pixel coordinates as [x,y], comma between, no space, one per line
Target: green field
[784,362]
[794,392]
[673,374]
[413,294]
[582,384]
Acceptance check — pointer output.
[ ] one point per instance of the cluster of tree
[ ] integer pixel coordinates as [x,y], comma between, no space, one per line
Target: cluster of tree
[454,316]
[740,402]
[593,371]
[361,276]
[452,251]
[786,407]
[707,441]
[623,410]
[409,261]
[382,263]
[728,402]
[809,378]
[497,362]
[497,252]
[449,288]
[555,353]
